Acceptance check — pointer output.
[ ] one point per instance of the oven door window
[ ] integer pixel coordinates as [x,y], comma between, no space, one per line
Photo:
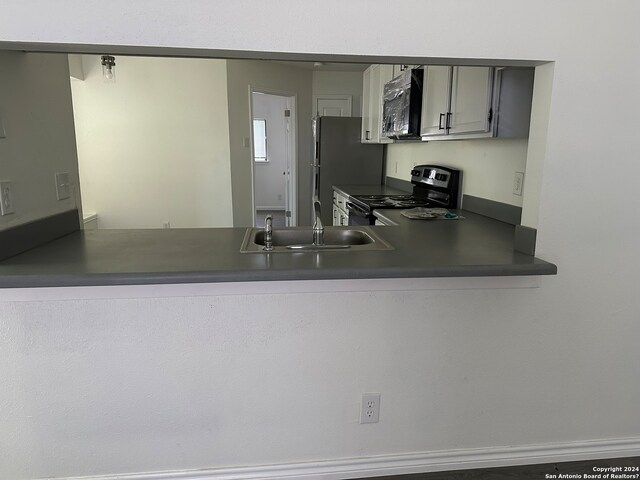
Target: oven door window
[358,216]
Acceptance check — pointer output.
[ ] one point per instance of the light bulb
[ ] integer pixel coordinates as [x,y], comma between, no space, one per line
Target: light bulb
[109,74]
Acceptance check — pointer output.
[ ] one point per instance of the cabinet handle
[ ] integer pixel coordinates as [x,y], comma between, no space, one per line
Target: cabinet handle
[440,127]
[367,135]
[448,120]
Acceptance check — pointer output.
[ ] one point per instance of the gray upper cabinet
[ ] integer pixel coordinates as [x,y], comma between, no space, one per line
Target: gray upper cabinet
[512,102]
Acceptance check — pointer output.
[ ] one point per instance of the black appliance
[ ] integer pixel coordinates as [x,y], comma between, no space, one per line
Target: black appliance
[433,186]
[402,105]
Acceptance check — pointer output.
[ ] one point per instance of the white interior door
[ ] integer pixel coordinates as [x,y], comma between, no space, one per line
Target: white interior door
[274,172]
[333,105]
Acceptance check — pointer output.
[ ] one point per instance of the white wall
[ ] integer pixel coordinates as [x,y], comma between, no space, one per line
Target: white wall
[475,368]
[269,182]
[154,146]
[339,83]
[275,78]
[488,165]
[35,107]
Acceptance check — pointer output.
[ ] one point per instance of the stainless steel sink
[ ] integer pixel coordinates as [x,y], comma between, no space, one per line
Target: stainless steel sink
[294,239]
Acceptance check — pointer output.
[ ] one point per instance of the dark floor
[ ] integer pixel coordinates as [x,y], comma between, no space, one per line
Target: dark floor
[278,217]
[532,472]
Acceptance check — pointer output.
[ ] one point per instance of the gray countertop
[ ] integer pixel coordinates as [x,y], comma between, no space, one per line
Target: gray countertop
[470,247]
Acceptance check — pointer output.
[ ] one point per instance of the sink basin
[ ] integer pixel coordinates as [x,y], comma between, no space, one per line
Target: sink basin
[294,239]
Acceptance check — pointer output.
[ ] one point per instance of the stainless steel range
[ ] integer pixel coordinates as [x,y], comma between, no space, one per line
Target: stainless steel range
[433,186]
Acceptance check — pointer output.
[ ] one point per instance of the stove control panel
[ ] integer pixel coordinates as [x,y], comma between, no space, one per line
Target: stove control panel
[431,175]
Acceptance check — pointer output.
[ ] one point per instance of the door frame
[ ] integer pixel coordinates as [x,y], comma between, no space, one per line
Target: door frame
[292,150]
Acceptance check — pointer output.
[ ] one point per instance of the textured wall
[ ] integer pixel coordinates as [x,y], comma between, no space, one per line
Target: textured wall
[105,386]
[135,385]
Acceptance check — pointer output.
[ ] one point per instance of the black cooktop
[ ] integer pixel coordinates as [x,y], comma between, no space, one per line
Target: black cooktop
[391,201]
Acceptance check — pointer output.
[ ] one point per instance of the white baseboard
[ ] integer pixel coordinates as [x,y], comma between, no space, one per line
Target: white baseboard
[406,463]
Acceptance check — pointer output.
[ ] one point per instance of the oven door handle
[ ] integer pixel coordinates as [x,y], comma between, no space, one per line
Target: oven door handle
[356,210]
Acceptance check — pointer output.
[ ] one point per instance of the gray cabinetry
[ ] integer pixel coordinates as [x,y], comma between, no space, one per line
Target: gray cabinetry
[475,102]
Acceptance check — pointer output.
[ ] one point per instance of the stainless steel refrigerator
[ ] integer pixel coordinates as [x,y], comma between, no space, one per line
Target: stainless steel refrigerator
[340,159]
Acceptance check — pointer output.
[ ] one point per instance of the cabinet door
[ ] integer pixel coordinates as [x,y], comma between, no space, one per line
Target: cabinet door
[470,99]
[381,74]
[436,92]
[365,136]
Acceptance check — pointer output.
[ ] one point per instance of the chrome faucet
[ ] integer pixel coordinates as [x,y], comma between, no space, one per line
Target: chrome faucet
[318,228]
[268,233]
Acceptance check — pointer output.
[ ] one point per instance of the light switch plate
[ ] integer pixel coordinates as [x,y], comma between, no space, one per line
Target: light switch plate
[518,183]
[63,189]
[6,198]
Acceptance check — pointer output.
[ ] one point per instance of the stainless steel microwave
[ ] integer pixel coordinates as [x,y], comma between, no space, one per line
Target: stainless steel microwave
[402,105]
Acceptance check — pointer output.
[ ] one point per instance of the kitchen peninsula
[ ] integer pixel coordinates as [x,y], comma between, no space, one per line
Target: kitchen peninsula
[471,247]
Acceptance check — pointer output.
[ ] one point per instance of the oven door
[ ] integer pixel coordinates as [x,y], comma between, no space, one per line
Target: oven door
[359,216]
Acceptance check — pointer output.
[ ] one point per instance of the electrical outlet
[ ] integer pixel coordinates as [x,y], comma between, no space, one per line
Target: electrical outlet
[518,183]
[370,408]
[63,188]
[6,198]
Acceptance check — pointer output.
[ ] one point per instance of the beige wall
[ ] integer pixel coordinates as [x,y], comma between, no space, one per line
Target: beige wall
[339,83]
[35,106]
[488,165]
[153,147]
[270,77]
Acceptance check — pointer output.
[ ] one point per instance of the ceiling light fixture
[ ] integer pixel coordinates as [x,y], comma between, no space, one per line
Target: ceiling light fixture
[108,62]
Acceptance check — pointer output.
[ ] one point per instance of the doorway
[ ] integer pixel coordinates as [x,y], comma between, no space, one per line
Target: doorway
[273,157]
